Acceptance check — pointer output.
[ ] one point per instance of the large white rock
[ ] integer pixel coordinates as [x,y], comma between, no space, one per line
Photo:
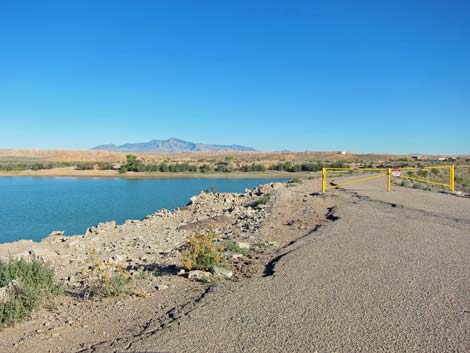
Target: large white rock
[199,275]
[222,272]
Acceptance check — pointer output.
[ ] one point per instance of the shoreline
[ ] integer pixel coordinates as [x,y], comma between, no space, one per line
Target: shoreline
[170,175]
[70,172]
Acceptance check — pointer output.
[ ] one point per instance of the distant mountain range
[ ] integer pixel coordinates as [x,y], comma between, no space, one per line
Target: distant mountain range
[171,145]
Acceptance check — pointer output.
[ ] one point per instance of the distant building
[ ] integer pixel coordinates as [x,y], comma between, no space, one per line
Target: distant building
[418,157]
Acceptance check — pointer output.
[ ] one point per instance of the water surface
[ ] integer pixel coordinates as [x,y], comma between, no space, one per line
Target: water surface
[31,208]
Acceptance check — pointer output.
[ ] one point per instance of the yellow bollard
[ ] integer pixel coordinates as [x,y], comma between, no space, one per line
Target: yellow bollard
[323,179]
[389,181]
[452,178]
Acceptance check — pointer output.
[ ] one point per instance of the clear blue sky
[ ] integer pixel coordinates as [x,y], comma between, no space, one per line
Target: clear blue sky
[365,76]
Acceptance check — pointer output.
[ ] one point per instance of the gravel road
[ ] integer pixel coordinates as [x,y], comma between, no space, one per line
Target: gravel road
[390,274]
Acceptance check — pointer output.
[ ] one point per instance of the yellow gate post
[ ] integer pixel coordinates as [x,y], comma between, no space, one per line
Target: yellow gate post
[452,178]
[323,179]
[389,177]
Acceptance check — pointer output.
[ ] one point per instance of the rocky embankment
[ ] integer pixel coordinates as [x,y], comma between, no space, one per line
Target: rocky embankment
[154,241]
[259,222]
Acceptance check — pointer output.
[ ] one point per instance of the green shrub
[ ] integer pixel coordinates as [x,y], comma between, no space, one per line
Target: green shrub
[152,167]
[261,201]
[132,164]
[223,167]
[164,167]
[422,173]
[253,168]
[9,166]
[205,168]
[339,164]
[202,253]
[261,245]
[312,167]
[420,186]
[229,159]
[105,166]
[25,285]
[232,246]
[85,166]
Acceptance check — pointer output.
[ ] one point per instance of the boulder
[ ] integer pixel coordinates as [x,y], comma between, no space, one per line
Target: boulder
[192,200]
[7,291]
[106,226]
[56,236]
[162,286]
[222,272]
[233,255]
[43,254]
[199,275]
[458,193]
[243,245]
[265,189]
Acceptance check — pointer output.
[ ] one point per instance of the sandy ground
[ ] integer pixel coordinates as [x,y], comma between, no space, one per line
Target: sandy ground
[390,273]
[72,172]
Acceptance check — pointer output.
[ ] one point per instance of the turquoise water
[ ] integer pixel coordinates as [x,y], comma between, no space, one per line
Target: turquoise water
[31,208]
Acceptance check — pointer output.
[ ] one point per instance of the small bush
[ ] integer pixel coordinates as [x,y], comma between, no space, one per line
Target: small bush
[24,285]
[420,186]
[399,182]
[422,173]
[406,183]
[105,166]
[108,280]
[202,253]
[85,166]
[205,168]
[232,246]
[295,181]
[261,245]
[132,164]
[261,201]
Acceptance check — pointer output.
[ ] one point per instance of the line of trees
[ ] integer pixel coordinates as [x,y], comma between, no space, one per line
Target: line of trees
[8,166]
[133,164]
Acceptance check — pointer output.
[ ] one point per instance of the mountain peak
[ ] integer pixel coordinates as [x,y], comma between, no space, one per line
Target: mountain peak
[172,144]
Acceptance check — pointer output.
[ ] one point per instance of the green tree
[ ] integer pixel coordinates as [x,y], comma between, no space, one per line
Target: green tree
[132,164]
[205,168]
[164,168]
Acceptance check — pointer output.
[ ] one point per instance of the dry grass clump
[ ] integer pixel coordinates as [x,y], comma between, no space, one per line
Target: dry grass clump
[106,279]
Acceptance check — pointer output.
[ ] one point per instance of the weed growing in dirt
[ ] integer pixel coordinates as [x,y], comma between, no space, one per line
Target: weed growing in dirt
[24,286]
[106,279]
[202,253]
[232,246]
[260,245]
[260,202]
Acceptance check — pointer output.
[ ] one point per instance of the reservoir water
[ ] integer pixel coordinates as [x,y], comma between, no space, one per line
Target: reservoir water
[31,208]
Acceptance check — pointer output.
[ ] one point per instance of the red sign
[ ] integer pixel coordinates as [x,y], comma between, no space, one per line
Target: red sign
[396,172]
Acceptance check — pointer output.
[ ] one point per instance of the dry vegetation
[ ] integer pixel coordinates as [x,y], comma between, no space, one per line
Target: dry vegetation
[75,156]
[105,156]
